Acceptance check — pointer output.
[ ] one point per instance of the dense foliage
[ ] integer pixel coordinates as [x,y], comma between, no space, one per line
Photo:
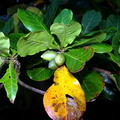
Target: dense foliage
[86,37]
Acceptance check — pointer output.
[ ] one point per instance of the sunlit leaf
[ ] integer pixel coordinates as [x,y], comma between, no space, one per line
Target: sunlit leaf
[35,42]
[65,99]
[10,82]
[66,33]
[4,45]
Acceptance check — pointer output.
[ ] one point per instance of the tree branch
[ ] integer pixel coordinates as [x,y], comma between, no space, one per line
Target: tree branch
[108,73]
[1,85]
[17,68]
[31,88]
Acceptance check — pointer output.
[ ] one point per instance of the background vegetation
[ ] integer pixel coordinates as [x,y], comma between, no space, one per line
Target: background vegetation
[100,23]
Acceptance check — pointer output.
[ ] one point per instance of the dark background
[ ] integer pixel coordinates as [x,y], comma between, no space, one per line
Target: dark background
[28,104]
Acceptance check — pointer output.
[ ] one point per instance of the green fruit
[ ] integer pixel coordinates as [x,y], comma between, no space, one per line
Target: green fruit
[52,65]
[48,55]
[59,59]
[2,60]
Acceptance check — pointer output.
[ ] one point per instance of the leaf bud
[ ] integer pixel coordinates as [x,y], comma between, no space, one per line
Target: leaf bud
[48,55]
[52,65]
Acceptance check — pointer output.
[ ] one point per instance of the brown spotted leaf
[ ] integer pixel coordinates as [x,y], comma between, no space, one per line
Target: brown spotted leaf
[65,99]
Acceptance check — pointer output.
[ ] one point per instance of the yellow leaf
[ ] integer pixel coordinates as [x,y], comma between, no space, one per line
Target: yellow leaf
[65,99]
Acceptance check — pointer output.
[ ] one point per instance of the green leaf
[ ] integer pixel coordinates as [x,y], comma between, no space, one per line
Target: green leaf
[116,44]
[40,74]
[8,26]
[66,33]
[115,59]
[2,61]
[101,47]
[14,37]
[76,58]
[113,21]
[64,17]
[92,83]
[10,82]
[16,23]
[90,20]
[4,45]
[35,42]
[95,38]
[51,12]
[116,79]
[31,21]
[111,31]
[36,11]
[2,24]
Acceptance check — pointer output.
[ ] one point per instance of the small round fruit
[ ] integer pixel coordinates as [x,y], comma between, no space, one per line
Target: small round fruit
[48,55]
[59,59]
[52,65]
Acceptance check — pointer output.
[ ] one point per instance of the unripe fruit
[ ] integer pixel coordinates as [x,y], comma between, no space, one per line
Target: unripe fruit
[59,59]
[52,65]
[48,55]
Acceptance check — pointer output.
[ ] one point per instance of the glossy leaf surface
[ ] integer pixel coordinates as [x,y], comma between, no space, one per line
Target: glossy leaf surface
[31,21]
[39,74]
[65,99]
[10,82]
[76,58]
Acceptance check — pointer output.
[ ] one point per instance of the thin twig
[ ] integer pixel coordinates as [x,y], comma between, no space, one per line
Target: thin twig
[110,3]
[31,88]
[17,68]
[108,73]
[1,86]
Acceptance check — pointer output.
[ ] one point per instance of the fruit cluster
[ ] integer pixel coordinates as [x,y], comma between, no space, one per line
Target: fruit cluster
[55,59]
